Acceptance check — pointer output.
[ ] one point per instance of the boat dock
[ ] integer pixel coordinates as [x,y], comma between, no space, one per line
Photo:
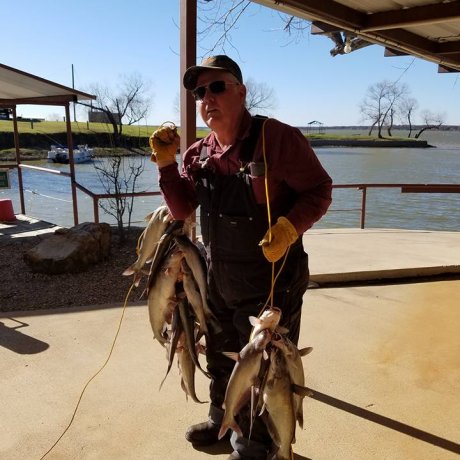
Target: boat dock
[385,366]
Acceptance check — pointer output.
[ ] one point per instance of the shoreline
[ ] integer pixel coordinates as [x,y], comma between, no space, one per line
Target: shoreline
[385,143]
[29,154]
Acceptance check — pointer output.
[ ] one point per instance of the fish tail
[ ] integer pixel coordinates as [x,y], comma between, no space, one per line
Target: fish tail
[131,270]
[230,424]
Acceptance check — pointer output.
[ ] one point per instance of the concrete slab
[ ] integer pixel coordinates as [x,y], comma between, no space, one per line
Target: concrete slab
[25,226]
[354,255]
[385,370]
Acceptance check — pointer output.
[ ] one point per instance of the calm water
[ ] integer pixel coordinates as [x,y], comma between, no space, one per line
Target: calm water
[48,196]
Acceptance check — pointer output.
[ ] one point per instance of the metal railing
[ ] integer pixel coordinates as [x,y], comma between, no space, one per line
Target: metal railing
[363,187]
[405,188]
[94,196]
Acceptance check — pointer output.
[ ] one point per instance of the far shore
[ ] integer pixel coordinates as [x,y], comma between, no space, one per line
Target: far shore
[30,154]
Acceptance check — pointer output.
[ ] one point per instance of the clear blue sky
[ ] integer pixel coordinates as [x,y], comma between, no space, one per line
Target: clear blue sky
[106,39]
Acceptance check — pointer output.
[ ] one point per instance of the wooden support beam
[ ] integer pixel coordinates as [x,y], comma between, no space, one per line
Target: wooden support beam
[390,52]
[445,69]
[321,28]
[418,15]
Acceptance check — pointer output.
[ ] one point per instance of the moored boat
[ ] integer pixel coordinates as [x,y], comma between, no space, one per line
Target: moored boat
[82,154]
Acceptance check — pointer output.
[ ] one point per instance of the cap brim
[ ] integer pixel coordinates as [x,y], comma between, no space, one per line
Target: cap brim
[192,73]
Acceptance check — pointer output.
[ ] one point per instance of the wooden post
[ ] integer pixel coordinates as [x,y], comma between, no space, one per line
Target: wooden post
[18,161]
[71,164]
[188,20]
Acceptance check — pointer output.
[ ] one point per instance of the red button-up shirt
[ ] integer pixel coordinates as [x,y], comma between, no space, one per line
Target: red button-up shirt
[294,173]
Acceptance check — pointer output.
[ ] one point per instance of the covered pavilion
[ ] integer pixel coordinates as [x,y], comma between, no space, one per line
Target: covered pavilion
[18,87]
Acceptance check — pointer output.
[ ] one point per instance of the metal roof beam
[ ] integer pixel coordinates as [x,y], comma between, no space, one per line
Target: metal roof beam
[41,100]
[419,15]
[390,52]
[321,28]
[328,11]
[344,18]
[448,47]
[445,69]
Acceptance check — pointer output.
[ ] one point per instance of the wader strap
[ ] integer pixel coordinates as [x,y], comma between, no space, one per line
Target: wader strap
[249,144]
[204,153]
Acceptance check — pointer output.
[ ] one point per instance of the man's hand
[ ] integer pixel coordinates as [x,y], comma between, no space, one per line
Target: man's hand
[283,234]
[164,143]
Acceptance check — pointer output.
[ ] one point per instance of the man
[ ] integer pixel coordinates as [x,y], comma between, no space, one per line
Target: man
[243,164]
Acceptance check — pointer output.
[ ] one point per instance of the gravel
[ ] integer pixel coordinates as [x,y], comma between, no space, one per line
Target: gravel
[102,284]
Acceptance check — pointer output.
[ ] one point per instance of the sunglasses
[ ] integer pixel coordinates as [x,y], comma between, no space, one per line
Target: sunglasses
[216,87]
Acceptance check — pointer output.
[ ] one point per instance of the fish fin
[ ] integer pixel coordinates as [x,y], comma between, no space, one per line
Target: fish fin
[148,216]
[254,321]
[278,343]
[232,355]
[232,425]
[166,218]
[282,330]
[137,279]
[299,418]
[301,391]
[305,351]
[164,378]
[262,409]
[130,270]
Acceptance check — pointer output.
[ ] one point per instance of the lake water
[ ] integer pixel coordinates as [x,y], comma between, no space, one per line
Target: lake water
[48,196]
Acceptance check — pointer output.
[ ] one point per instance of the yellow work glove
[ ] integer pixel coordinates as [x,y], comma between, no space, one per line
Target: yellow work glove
[164,143]
[283,235]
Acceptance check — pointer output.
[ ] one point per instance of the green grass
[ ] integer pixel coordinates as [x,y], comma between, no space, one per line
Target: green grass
[48,127]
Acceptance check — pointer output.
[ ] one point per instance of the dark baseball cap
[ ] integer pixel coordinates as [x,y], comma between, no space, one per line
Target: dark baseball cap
[219,62]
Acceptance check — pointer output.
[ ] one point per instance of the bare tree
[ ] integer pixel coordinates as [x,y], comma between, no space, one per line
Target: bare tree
[389,120]
[128,104]
[380,103]
[217,19]
[431,121]
[118,176]
[373,106]
[260,97]
[407,107]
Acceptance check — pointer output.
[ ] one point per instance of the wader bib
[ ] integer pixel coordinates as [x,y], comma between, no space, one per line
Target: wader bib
[239,276]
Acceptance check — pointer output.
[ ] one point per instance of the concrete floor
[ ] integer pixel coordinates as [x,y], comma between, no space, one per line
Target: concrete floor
[385,368]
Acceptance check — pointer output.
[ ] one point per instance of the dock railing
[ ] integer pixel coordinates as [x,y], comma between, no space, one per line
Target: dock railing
[362,187]
[405,188]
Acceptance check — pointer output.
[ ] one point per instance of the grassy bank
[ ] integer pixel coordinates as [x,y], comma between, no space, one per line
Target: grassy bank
[35,138]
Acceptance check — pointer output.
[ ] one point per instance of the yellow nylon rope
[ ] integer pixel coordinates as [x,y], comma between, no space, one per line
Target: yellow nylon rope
[269,218]
[93,377]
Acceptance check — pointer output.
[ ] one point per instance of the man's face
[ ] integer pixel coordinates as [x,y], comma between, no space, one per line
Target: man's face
[220,109]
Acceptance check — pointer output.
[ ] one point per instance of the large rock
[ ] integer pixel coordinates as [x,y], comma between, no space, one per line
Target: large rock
[71,250]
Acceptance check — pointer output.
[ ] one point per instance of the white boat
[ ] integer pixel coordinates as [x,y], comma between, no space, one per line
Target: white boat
[82,154]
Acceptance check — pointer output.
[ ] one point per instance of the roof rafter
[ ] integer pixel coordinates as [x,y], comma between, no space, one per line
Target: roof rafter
[430,32]
[417,15]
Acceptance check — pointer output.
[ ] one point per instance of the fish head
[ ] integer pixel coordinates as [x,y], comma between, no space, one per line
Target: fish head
[262,339]
[269,319]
